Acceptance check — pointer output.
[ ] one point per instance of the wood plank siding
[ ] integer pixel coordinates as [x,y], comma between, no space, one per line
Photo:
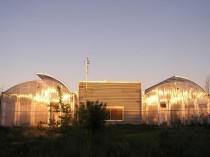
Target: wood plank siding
[124,95]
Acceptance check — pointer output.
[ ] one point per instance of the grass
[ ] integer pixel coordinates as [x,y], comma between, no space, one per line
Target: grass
[113,141]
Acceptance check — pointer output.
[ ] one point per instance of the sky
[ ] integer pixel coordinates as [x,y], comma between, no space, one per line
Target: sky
[143,41]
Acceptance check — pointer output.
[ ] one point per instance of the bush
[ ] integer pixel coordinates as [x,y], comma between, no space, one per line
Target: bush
[92,115]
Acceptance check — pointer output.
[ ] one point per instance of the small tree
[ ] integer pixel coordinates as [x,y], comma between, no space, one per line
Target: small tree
[1,94]
[65,118]
[92,115]
[0,99]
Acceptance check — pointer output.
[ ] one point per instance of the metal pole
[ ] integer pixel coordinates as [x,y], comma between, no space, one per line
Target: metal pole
[86,64]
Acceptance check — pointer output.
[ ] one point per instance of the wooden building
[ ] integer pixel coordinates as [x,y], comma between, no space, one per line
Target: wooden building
[123,99]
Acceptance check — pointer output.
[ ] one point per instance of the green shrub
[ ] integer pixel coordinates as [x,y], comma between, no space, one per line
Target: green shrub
[92,115]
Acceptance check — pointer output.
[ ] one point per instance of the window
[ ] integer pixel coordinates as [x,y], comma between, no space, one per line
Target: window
[115,113]
[163,105]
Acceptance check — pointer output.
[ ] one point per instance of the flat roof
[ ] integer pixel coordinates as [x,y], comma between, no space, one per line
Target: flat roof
[107,82]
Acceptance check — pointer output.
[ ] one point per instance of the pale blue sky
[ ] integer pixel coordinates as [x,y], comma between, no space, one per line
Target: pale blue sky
[126,40]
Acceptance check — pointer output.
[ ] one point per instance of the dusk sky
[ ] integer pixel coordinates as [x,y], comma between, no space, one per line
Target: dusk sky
[144,41]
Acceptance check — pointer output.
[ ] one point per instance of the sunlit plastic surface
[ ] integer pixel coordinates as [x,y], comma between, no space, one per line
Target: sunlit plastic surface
[175,100]
[29,103]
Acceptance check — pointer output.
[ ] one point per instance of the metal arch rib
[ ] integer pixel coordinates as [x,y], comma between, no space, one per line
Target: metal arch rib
[172,78]
[42,76]
[191,81]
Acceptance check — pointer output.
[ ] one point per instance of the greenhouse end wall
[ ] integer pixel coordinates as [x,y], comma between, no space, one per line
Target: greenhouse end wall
[28,103]
[22,105]
[174,101]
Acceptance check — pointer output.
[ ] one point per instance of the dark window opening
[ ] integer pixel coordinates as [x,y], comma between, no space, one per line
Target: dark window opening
[115,114]
[163,105]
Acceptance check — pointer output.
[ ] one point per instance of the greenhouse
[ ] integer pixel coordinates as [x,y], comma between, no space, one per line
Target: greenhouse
[176,100]
[28,103]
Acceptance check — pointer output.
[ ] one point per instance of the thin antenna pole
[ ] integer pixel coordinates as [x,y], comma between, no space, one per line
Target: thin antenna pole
[86,64]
